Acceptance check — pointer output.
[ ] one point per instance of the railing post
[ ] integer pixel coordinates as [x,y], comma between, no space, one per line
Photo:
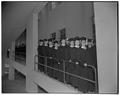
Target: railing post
[45,65]
[64,71]
[96,86]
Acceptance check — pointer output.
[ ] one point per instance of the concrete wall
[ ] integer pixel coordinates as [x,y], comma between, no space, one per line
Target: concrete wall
[14,18]
[74,16]
[106,37]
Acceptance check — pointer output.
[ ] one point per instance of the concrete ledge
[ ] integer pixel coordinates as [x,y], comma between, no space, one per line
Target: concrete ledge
[20,67]
[49,84]
[52,85]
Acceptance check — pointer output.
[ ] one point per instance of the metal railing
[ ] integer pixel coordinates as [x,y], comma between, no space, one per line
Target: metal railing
[68,73]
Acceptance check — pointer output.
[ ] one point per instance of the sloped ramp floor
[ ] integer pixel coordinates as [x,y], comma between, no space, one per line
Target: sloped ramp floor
[17,85]
[13,86]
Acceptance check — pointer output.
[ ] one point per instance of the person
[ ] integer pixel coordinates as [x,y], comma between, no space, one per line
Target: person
[56,60]
[70,64]
[84,85]
[40,44]
[62,55]
[45,53]
[76,61]
[40,54]
[91,59]
[89,45]
[66,59]
[83,43]
[50,61]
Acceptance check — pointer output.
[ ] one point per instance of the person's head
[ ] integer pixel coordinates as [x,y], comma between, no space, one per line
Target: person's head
[83,41]
[63,41]
[71,41]
[56,43]
[67,41]
[77,41]
[45,42]
[40,42]
[89,43]
[50,42]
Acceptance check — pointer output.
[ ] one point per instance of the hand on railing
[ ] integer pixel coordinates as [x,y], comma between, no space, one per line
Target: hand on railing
[36,59]
[76,63]
[87,65]
[94,68]
[50,57]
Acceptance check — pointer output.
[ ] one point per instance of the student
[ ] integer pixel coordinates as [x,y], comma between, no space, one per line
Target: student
[62,57]
[40,44]
[56,60]
[84,85]
[91,59]
[50,61]
[83,43]
[75,59]
[70,67]
[40,53]
[77,56]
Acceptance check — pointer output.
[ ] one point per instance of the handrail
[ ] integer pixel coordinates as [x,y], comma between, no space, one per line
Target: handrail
[64,71]
[94,68]
[69,73]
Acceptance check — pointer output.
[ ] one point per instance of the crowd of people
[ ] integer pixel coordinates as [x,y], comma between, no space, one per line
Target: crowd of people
[73,53]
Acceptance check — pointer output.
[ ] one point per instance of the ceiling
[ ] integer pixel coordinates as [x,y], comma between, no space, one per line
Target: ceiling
[14,14]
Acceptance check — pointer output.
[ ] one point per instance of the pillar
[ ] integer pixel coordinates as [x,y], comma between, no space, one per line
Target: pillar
[12,58]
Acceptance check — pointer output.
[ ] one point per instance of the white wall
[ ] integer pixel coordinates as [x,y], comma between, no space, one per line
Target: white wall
[74,16]
[106,37]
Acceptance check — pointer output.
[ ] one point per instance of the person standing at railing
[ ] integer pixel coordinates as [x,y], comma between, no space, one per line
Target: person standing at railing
[85,72]
[80,58]
[70,67]
[91,59]
[55,58]
[61,54]
[66,58]
[45,45]
[75,59]
[50,61]
[40,54]
[91,53]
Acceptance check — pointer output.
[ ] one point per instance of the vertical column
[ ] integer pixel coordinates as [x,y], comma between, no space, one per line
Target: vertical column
[35,38]
[46,65]
[12,58]
[31,47]
[106,40]
[31,51]
[64,71]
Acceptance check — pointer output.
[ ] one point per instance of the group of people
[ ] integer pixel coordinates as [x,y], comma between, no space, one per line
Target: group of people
[75,54]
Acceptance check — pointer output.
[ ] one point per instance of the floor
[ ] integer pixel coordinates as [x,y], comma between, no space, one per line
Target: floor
[13,86]
[17,85]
